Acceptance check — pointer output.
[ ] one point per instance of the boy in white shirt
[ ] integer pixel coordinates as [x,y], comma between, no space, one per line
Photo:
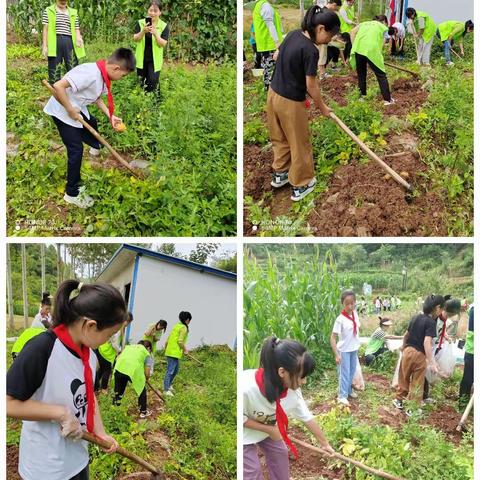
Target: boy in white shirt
[80,87]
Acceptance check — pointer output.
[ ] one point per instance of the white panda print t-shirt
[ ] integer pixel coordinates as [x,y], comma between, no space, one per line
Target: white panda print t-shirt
[47,371]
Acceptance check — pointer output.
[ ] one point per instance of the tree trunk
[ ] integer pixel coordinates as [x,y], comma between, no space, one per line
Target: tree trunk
[59,265]
[24,286]
[302,10]
[11,318]
[42,258]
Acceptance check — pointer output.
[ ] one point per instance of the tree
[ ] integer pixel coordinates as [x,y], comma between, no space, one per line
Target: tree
[227,263]
[9,289]
[24,286]
[168,249]
[42,257]
[202,252]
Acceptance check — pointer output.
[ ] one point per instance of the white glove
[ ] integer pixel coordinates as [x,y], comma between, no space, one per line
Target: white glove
[70,426]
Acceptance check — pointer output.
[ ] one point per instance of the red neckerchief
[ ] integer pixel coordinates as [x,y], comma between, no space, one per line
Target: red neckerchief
[63,335]
[282,419]
[442,335]
[101,64]
[352,318]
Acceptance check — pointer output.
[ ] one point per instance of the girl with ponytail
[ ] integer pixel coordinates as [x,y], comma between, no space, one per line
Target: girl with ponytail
[50,384]
[296,75]
[175,347]
[271,393]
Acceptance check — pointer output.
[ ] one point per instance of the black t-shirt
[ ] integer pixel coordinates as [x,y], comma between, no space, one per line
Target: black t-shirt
[148,53]
[297,58]
[420,326]
[28,370]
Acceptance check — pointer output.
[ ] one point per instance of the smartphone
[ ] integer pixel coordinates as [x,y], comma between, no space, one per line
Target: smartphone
[148,21]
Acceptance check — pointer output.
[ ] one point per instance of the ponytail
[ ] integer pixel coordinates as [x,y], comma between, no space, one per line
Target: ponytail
[288,354]
[162,324]
[468,25]
[100,302]
[184,316]
[320,16]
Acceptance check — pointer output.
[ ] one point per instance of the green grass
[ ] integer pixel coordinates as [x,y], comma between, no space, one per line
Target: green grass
[411,450]
[187,138]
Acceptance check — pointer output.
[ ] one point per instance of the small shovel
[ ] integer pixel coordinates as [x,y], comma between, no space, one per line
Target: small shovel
[371,154]
[156,474]
[86,125]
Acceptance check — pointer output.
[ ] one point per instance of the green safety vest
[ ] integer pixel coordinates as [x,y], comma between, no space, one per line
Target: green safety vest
[374,345]
[25,337]
[154,338]
[445,29]
[369,42]
[430,27]
[131,362]
[107,352]
[52,32]
[265,42]
[350,11]
[469,343]
[157,50]
[172,348]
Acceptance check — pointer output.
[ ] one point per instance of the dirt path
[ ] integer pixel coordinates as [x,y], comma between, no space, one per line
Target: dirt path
[361,200]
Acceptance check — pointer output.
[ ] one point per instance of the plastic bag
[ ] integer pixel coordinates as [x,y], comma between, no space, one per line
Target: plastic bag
[397,370]
[445,361]
[358,382]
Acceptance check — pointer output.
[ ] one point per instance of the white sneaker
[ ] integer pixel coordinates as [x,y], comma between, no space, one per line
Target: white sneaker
[353,395]
[343,401]
[169,393]
[94,152]
[391,102]
[82,200]
[145,414]
[450,64]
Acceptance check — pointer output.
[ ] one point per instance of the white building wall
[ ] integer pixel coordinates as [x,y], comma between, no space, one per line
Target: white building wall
[443,10]
[164,289]
[123,278]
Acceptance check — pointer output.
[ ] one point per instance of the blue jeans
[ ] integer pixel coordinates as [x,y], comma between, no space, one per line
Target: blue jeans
[346,372]
[446,51]
[173,364]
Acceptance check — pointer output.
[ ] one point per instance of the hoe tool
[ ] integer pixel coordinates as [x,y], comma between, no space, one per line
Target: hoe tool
[371,154]
[343,458]
[156,474]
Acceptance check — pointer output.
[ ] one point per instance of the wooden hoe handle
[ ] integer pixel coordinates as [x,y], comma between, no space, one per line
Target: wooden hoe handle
[357,464]
[121,451]
[371,154]
[157,393]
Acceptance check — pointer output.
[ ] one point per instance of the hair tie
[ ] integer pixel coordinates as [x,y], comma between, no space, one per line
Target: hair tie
[76,291]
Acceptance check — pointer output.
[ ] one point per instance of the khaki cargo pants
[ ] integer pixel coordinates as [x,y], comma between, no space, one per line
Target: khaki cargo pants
[288,127]
[411,375]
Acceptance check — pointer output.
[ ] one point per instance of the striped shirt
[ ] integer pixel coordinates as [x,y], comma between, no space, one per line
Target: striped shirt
[62,23]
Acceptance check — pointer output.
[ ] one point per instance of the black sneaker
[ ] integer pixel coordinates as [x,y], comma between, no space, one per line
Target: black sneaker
[279,179]
[397,404]
[302,192]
